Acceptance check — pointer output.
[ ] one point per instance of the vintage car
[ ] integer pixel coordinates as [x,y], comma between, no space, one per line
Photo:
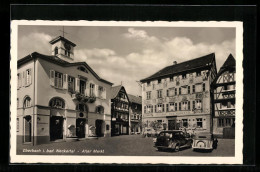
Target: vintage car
[172,139]
[204,141]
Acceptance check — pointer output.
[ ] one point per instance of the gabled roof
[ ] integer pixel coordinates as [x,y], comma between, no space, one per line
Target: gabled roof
[63,39]
[115,90]
[135,99]
[57,60]
[184,66]
[230,62]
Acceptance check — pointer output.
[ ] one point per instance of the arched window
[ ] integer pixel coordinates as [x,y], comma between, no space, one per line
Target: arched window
[27,102]
[57,103]
[82,107]
[56,51]
[100,109]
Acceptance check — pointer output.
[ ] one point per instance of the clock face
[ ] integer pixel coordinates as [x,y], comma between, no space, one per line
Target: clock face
[67,46]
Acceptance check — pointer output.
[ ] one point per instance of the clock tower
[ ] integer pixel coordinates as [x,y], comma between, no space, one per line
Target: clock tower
[63,48]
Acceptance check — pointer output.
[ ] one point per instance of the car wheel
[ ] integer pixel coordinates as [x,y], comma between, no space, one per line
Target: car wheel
[177,148]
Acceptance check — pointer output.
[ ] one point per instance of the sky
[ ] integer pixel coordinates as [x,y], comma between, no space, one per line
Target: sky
[125,54]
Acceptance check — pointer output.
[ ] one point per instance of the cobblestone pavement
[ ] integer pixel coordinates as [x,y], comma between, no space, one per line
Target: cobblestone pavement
[133,145]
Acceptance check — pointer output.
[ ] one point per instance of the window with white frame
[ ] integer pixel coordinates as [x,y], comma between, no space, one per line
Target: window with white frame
[160,108]
[28,77]
[149,108]
[71,83]
[199,122]
[27,102]
[171,107]
[185,105]
[57,103]
[197,104]
[92,89]
[148,95]
[19,80]
[58,80]
[159,93]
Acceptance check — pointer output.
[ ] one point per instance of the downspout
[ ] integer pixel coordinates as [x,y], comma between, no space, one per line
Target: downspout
[33,126]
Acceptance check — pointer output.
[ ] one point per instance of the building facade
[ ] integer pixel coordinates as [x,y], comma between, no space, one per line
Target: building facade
[224,99]
[135,114]
[119,111]
[178,96]
[58,98]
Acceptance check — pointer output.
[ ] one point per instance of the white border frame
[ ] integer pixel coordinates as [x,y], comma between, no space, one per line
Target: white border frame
[237,159]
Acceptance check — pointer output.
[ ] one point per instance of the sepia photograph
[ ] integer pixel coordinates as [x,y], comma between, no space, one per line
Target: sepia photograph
[126,92]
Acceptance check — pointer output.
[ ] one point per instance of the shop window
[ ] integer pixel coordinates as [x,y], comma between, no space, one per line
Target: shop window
[57,103]
[27,102]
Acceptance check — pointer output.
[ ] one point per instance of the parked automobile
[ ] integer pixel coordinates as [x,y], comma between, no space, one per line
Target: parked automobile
[172,139]
[204,141]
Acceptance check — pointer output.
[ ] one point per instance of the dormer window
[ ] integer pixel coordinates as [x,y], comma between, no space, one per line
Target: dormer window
[183,76]
[83,69]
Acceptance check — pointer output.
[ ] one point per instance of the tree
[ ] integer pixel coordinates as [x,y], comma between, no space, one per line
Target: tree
[156,125]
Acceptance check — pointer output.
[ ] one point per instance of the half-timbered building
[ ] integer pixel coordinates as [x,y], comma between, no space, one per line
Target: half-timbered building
[119,111]
[224,99]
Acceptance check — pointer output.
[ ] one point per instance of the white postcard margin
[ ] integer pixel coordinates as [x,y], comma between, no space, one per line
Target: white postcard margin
[237,159]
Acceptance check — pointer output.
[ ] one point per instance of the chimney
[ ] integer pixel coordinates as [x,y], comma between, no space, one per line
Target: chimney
[174,62]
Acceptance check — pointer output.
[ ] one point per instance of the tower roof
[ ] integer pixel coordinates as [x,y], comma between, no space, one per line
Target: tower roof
[63,39]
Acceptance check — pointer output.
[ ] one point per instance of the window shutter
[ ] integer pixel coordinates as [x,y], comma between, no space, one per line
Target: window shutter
[163,107]
[193,104]
[144,109]
[180,106]
[52,74]
[152,108]
[77,84]
[155,108]
[176,106]
[65,81]
[167,107]
[87,89]
[96,90]
[104,93]
[188,105]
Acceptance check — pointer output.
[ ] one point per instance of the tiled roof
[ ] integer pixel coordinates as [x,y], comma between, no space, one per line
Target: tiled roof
[114,91]
[184,66]
[59,61]
[229,62]
[61,38]
[135,99]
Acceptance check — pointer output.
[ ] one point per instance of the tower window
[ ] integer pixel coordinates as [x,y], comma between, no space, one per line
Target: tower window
[56,51]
